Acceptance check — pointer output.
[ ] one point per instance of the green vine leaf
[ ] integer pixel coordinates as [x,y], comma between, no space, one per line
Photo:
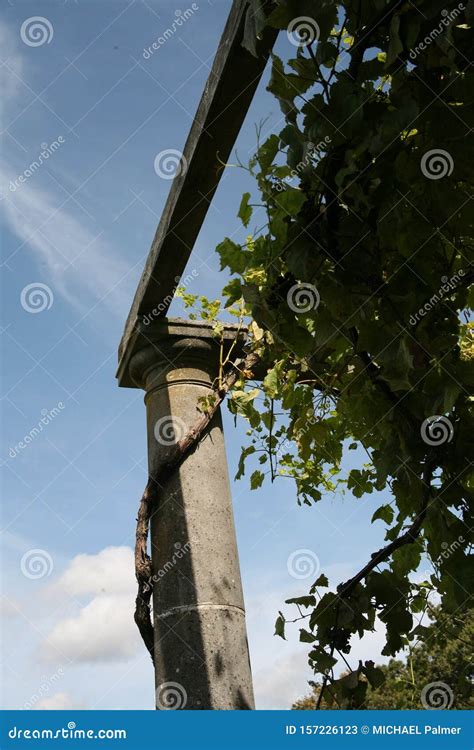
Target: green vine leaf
[245,211]
[280,626]
[256,480]
[385,513]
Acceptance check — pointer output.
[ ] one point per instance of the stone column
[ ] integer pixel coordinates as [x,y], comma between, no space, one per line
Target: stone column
[201,650]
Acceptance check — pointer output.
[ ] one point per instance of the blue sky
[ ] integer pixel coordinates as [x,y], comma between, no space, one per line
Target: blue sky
[81,224]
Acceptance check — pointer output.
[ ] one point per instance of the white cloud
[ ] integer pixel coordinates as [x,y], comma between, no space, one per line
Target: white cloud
[286,680]
[104,629]
[58,702]
[367,648]
[280,668]
[110,571]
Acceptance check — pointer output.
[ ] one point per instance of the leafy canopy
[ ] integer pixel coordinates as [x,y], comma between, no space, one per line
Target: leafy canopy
[357,289]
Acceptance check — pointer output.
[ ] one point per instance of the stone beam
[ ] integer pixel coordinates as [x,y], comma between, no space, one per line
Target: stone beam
[201,650]
[224,104]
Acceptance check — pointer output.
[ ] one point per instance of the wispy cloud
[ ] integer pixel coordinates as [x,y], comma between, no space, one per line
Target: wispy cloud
[76,261]
[69,249]
[10,84]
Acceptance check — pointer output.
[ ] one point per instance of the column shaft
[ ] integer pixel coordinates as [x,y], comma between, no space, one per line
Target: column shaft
[201,651]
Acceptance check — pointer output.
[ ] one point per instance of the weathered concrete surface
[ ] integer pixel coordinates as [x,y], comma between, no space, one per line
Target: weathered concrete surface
[199,617]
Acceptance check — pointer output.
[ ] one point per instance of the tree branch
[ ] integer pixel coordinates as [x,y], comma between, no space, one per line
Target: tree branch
[410,535]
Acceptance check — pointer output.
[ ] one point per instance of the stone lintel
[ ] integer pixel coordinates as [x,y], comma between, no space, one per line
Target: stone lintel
[227,96]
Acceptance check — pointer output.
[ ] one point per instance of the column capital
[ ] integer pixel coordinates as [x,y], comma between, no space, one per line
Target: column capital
[170,344]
